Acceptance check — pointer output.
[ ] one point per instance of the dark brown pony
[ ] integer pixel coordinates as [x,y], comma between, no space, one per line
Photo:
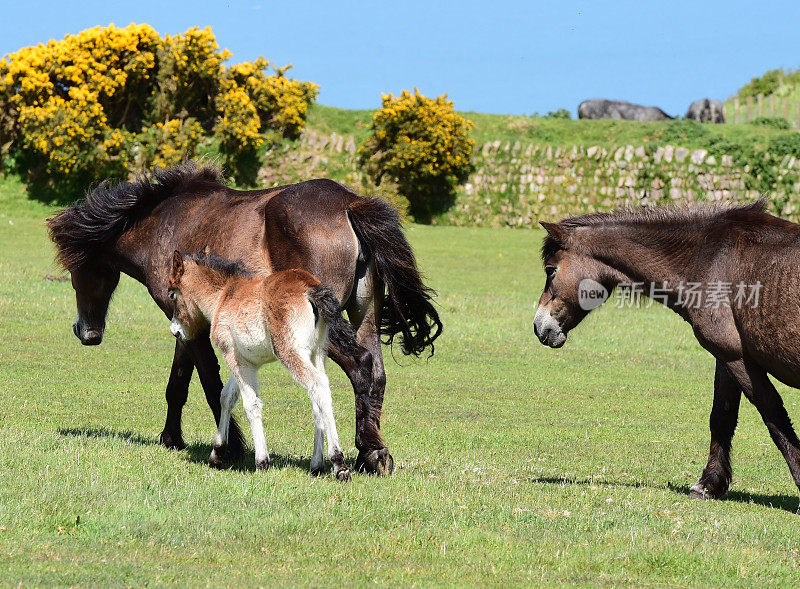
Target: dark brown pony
[668,252]
[354,245]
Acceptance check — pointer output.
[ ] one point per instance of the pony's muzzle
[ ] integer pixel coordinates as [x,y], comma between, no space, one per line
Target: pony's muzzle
[547,329]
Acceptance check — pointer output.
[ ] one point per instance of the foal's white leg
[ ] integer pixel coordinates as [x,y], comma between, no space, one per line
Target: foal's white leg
[228,398]
[318,459]
[247,378]
[299,351]
[316,381]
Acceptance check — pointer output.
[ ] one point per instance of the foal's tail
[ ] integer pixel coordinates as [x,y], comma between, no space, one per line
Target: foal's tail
[407,308]
[340,333]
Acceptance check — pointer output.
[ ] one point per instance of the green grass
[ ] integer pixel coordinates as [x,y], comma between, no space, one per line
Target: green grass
[511,128]
[514,463]
[328,119]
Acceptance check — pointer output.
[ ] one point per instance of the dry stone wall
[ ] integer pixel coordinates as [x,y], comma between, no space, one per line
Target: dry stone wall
[516,185]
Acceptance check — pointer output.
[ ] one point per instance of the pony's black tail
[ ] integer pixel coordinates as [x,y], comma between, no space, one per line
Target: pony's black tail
[407,308]
[340,333]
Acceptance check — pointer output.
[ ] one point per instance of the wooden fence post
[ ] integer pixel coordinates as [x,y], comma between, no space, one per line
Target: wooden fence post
[760,99]
[736,119]
[749,116]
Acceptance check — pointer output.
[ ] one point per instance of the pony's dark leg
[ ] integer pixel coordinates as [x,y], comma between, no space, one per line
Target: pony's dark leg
[373,456]
[205,360]
[762,393]
[177,391]
[363,310]
[716,476]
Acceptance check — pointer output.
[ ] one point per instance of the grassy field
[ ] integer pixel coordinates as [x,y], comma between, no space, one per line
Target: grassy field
[514,463]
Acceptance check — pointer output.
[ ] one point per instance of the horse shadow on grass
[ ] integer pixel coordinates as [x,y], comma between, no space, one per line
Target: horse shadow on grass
[196,452]
[784,502]
[199,452]
[103,433]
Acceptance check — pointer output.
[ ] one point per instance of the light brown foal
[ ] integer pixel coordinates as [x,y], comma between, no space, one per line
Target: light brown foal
[285,316]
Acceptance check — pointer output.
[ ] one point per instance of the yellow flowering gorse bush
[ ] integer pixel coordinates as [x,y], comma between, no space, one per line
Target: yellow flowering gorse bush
[423,145]
[167,144]
[251,101]
[64,104]
[65,136]
[280,102]
[238,124]
[110,100]
[190,69]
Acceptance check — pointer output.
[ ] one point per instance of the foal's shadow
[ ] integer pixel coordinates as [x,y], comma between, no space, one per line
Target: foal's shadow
[197,452]
[784,502]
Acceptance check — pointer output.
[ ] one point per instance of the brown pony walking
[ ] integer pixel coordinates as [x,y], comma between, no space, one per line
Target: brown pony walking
[287,316]
[352,244]
[671,254]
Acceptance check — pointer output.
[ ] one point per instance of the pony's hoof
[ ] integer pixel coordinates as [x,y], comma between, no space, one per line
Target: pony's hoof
[698,491]
[263,464]
[218,458]
[317,470]
[705,492]
[708,490]
[378,462]
[172,442]
[343,474]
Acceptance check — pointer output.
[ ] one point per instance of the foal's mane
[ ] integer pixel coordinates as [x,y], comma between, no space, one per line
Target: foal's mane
[679,220]
[83,229]
[218,264]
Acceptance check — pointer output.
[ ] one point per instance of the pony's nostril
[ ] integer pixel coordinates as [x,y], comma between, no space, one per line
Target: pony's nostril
[76,330]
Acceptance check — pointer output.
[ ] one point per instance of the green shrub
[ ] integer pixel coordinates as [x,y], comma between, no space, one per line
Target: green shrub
[771,122]
[777,82]
[682,131]
[423,146]
[784,144]
[561,113]
[719,146]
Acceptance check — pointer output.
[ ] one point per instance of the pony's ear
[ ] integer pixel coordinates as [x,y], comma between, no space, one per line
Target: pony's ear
[555,230]
[177,265]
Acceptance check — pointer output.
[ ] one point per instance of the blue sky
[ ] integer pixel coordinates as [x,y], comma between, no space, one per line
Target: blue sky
[499,57]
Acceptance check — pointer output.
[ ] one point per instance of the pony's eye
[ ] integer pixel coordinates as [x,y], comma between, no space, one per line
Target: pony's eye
[171,294]
[550,271]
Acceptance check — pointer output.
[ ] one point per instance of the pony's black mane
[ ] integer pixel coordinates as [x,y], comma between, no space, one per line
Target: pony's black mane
[684,219]
[89,225]
[218,264]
